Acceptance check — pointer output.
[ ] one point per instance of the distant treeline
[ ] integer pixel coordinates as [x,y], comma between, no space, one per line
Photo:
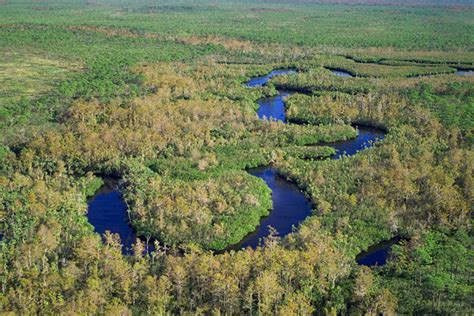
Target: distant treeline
[377,2]
[364,2]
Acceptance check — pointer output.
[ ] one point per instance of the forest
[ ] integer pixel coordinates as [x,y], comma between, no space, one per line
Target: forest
[236,157]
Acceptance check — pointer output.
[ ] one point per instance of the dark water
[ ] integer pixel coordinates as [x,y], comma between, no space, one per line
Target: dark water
[465,72]
[261,81]
[377,254]
[290,207]
[340,72]
[273,108]
[108,211]
[366,138]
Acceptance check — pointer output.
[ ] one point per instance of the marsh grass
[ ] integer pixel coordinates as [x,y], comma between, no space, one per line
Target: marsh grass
[24,74]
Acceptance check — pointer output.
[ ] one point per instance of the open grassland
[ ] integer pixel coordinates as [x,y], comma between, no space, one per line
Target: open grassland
[26,74]
[416,39]
[413,28]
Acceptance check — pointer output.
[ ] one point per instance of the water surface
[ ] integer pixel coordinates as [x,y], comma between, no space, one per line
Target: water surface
[263,80]
[107,211]
[290,207]
[366,138]
[273,108]
[377,254]
[340,72]
[464,72]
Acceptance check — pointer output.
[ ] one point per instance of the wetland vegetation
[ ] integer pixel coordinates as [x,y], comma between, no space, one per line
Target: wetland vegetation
[144,149]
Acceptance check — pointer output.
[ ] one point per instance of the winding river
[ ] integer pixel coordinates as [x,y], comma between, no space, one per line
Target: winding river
[290,205]
[107,210]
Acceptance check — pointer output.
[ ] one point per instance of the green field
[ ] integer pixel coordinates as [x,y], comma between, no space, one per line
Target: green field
[28,75]
[152,94]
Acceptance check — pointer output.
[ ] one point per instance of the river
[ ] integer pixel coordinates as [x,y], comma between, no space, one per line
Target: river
[108,211]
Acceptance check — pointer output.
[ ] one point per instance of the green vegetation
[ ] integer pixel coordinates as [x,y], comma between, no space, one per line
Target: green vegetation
[24,74]
[387,68]
[153,92]
[215,213]
[431,268]
[453,104]
[401,27]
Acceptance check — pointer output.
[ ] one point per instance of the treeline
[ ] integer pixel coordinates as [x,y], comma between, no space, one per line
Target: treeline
[390,70]
[55,264]
[212,213]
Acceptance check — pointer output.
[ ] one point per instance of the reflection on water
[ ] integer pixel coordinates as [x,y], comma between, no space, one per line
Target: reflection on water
[261,81]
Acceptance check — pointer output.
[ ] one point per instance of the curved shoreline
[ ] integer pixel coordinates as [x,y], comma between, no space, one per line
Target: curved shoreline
[290,205]
[107,211]
[282,218]
[377,254]
[341,72]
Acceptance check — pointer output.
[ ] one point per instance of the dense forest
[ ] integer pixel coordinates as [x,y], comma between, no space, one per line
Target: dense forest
[155,95]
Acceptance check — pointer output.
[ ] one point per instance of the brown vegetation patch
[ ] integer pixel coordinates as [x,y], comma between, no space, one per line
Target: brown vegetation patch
[262,10]
[228,43]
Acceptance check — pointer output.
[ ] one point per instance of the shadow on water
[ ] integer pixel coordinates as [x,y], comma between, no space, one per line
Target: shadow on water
[290,207]
[107,211]
[377,255]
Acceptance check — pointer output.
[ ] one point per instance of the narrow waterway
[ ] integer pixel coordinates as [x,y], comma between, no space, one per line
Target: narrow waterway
[273,107]
[108,211]
[263,80]
[339,72]
[290,205]
[366,138]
